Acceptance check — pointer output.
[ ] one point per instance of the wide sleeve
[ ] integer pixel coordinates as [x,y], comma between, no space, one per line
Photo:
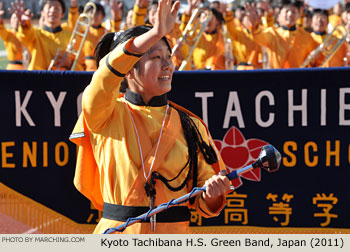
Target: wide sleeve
[264,36]
[98,103]
[99,97]
[4,33]
[206,171]
[26,35]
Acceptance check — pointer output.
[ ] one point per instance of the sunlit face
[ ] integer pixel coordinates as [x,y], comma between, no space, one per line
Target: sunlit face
[152,13]
[129,18]
[319,22]
[154,73]
[288,16]
[52,14]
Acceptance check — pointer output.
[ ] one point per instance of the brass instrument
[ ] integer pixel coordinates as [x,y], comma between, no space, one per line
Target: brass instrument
[347,41]
[192,33]
[265,58]
[329,46]
[229,58]
[79,35]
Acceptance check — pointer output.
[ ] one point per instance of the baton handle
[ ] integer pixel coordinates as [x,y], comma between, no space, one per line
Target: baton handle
[235,174]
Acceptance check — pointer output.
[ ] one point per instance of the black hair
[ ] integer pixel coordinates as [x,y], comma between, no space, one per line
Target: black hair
[308,13]
[218,15]
[295,3]
[110,40]
[99,8]
[62,3]
[195,144]
[347,7]
[320,11]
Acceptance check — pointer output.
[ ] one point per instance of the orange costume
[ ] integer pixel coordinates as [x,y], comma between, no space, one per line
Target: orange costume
[286,48]
[13,48]
[337,59]
[109,168]
[245,49]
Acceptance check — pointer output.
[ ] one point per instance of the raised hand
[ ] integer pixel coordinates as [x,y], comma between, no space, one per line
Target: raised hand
[116,9]
[1,11]
[191,5]
[252,14]
[142,3]
[73,3]
[19,10]
[166,16]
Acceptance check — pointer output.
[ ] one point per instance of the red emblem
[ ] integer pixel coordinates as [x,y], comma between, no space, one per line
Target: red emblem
[237,152]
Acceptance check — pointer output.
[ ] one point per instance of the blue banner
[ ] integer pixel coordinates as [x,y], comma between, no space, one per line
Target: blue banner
[305,114]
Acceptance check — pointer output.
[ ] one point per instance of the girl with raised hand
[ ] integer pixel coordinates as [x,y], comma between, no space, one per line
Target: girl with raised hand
[138,150]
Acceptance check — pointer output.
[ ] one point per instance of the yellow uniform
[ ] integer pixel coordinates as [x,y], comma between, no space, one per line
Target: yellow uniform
[109,168]
[13,48]
[245,50]
[338,58]
[209,52]
[286,48]
[73,15]
[44,43]
[138,16]
[94,35]
[335,20]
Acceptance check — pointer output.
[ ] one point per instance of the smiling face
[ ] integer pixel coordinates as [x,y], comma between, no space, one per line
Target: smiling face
[153,75]
[288,16]
[319,22]
[52,14]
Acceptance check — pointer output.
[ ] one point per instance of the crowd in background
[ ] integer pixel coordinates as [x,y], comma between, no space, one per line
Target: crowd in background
[256,35]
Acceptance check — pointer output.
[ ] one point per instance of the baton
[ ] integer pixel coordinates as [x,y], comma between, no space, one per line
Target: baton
[269,159]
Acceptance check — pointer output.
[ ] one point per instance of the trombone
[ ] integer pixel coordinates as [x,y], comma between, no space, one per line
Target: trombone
[79,35]
[192,33]
[329,46]
[229,58]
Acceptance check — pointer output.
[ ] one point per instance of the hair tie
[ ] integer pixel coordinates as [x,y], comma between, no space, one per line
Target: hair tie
[117,34]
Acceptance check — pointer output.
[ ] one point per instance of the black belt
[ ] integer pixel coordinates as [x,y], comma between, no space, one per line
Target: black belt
[16,62]
[122,213]
[244,64]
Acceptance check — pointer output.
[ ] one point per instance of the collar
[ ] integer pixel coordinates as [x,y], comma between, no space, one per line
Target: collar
[320,33]
[293,28]
[136,99]
[96,27]
[213,32]
[53,30]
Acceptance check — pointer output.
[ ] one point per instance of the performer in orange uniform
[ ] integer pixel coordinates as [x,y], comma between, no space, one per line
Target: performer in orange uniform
[12,45]
[288,45]
[141,150]
[44,42]
[319,26]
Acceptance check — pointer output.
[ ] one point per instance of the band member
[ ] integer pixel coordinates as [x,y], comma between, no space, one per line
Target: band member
[140,150]
[246,51]
[12,45]
[95,33]
[45,41]
[335,18]
[210,50]
[319,26]
[288,45]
